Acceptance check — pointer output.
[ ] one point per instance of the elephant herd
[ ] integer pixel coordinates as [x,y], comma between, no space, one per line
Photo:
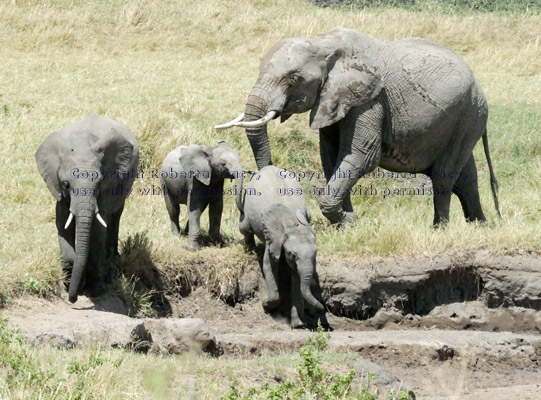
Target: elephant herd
[408,106]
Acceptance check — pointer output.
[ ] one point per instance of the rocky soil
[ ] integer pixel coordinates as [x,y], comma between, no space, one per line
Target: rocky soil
[460,327]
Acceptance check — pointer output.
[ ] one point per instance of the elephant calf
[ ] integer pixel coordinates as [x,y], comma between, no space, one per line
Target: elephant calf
[281,219]
[194,175]
[89,167]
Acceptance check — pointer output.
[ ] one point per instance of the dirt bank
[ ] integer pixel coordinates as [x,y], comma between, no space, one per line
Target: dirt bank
[451,326]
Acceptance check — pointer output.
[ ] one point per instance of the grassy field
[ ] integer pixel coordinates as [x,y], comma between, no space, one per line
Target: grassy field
[171,70]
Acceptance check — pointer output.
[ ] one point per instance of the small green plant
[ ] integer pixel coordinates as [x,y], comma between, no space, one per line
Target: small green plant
[25,378]
[21,374]
[402,394]
[313,381]
[81,371]
[36,287]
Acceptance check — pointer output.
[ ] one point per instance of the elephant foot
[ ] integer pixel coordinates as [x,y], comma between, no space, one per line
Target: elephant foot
[335,213]
[217,241]
[298,324]
[342,219]
[193,246]
[95,290]
[270,305]
[249,245]
[349,217]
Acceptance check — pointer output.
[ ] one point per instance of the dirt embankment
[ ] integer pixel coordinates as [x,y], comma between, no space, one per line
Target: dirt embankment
[463,326]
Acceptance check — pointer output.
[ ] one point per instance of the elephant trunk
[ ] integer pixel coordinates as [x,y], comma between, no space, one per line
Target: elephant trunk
[256,108]
[239,181]
[83,226]
[306,279]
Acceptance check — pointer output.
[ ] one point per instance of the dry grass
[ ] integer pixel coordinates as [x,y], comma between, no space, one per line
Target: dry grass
[170,70]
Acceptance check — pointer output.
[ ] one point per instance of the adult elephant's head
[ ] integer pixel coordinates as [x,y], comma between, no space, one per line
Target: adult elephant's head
[328,74]
[75,165]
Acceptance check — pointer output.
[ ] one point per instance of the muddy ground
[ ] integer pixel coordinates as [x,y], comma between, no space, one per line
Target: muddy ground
[461,327]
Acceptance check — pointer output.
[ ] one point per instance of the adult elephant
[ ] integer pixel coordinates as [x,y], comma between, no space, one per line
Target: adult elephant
[408,106]
[89,167]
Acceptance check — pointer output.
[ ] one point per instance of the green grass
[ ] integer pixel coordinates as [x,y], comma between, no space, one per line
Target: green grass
[170,71]
[28,372]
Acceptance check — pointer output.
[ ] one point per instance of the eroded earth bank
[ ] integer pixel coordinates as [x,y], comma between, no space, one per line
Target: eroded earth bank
[463,327]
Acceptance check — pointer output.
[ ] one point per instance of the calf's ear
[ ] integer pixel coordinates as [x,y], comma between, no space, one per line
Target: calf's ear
[273,230]
[196,160]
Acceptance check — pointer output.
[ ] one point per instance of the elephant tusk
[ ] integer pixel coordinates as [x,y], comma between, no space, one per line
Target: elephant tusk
[100,219]
[230,124]
[68,222]
[259,122]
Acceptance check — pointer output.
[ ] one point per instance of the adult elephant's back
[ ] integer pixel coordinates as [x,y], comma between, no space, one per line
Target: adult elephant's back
[433,101]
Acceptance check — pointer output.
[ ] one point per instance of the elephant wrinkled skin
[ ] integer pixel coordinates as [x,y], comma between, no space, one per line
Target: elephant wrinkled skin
[282,222]
[89,167]
[408,106]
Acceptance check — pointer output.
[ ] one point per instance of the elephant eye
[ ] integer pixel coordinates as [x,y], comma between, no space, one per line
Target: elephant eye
[294,78]
[66,185]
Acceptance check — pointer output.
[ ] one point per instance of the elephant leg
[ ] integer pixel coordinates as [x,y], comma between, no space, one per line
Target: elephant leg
[297,302]
[186,230]
[359,153]
[66,237]
[112,234]
[329,142]
[467,190]
[195,209]
[173,209]
[95,269]
[245,229]
[66,240]
[216,208]
[442,189]
[270,269]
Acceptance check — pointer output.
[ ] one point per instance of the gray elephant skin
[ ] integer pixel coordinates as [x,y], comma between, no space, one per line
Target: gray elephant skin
[89,167]
[408,106]
[194,175]
[274,210]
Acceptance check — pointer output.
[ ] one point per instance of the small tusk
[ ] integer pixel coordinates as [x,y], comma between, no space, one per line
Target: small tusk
[98,216]
[259,122]
[68,222]
[230,124]
[100,219]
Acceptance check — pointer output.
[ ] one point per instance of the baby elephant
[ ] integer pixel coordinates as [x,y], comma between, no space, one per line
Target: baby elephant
[194,175]
[274,209]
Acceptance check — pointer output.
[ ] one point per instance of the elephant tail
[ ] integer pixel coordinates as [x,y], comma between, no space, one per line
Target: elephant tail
[493,180]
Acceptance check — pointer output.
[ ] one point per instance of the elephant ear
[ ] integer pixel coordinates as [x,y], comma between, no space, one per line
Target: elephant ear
[196,159]
[305,220]
[116,150]
[351,81]
[301,218]
[273,229]
[48,161]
